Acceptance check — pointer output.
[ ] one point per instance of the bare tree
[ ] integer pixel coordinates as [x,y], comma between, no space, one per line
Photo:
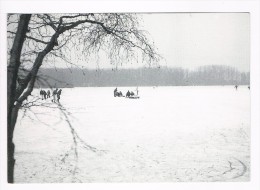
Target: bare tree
[44,38]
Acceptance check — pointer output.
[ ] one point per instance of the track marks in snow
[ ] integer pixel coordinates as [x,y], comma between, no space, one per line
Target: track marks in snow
[244,170]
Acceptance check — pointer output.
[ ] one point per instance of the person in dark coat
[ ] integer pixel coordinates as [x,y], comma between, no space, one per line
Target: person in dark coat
[48,94]
[128,94]
[41,94]
[236,87]
[44,94]
[58,95]
[115,92]
[54,93]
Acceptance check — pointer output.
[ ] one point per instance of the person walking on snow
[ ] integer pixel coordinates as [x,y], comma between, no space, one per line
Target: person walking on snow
[54,93]
[58,95]
[48,94]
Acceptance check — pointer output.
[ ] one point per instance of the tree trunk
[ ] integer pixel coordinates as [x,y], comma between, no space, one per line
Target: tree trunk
[11,146]
[15,98]
[12,109]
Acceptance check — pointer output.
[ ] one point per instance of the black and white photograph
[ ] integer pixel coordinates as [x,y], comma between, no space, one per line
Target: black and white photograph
[129,97]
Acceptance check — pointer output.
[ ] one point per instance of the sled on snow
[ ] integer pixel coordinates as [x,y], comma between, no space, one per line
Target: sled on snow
[134,97]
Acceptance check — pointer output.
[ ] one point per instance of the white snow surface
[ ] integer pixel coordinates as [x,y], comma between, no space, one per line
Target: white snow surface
[170,134]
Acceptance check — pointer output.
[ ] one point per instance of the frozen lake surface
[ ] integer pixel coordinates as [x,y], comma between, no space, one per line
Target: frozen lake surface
[170,134]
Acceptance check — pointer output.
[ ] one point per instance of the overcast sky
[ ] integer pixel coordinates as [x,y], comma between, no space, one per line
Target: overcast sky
[190,40]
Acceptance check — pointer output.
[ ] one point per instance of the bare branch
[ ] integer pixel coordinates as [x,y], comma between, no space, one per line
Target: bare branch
[37,40]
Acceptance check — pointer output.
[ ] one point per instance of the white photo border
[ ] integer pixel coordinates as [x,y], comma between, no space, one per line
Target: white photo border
[60,6]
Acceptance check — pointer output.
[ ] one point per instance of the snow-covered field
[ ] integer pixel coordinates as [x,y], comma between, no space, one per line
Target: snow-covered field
[170,134]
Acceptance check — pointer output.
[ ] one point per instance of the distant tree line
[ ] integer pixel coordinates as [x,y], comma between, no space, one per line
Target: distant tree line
[161,76]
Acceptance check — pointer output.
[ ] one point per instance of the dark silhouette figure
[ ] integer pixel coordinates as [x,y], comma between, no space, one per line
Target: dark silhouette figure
[48,94]
[128,94]
[248,87]
[236,87]
[44,94]
[120,94]
[54,93]
[132,93]
[115,92]
[58,95]
[41,93]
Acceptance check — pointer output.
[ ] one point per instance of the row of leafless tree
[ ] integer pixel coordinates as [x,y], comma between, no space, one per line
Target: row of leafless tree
[206,75]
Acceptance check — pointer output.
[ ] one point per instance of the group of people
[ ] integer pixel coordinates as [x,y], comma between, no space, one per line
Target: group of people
[118,93]
[47,94]
[128,94]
